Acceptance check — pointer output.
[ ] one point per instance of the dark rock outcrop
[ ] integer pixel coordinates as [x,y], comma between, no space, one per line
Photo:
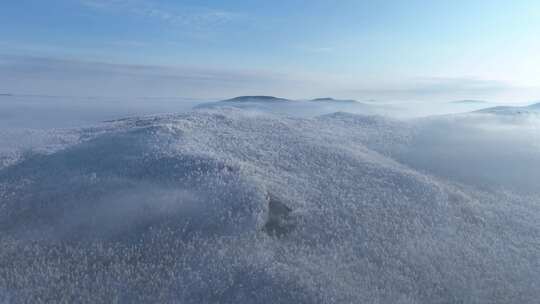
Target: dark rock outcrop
[280,222]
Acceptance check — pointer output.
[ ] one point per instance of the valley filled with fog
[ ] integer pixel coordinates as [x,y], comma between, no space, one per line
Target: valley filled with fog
[258,199]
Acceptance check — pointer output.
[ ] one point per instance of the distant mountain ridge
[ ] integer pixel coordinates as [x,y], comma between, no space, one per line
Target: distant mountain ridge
[512,110]
[293,107]
[272,99]
[260,98]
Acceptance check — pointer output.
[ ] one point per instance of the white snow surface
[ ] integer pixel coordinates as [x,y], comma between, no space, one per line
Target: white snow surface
[172,209]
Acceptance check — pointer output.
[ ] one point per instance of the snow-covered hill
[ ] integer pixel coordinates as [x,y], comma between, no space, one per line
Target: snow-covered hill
[228,206]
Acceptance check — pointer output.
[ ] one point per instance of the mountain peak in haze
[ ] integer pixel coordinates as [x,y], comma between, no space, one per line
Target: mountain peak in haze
[256,99]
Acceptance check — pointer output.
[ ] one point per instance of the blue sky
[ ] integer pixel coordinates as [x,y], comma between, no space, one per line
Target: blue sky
[355,49]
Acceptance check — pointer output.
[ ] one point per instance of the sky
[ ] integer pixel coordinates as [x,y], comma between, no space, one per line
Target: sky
[377,50]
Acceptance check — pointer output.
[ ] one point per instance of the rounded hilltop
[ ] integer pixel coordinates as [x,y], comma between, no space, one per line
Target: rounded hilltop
[260,98]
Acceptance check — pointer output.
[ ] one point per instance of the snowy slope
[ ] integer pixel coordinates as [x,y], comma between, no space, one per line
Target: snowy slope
[231,206]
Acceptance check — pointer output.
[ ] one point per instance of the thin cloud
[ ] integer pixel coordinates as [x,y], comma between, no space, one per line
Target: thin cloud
[320,49]
[436,88]
[49,76]
[186,16]
[128,43]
